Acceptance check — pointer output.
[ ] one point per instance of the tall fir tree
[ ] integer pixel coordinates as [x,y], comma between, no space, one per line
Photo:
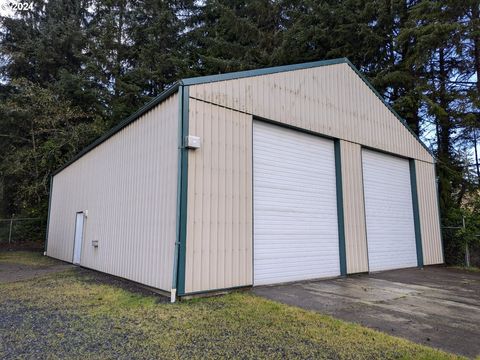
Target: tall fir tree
[230,35]
[94,62]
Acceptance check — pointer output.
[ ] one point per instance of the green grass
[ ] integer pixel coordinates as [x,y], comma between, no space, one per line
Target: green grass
[74,314]
[467,268]
[28,258]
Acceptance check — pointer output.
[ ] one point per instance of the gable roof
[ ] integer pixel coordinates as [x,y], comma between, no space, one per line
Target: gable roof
[232,76]
[258,72]
[302,66]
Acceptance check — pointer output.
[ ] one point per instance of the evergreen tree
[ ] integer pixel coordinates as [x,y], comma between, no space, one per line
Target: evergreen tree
[43,71]
[158,57]
[38,132]
[232,35]
[71,69]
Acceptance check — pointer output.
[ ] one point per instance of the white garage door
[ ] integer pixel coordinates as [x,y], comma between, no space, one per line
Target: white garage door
[389,212]
[295,210]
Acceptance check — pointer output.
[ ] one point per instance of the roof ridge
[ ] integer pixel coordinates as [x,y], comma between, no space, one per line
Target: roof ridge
[262,71]
[232,76]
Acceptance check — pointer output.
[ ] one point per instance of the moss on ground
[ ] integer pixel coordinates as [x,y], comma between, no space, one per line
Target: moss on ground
[74,315]
[27,258]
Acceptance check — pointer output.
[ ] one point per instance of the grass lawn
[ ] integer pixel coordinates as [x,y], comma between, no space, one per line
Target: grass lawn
[82,314]
[27,258]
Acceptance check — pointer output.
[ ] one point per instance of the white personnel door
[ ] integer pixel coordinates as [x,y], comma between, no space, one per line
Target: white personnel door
[77,247]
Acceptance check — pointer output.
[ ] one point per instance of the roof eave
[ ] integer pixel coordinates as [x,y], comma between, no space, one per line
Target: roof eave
[145,108]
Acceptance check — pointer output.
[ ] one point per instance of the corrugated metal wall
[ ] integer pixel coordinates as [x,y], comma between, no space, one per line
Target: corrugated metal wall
[354,208]
[128,184]
[330,100]
[219,216]
[429,216]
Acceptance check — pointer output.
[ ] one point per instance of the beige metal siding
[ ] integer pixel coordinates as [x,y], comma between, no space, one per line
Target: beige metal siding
[219,216]
[429,216]
[331,100]
[128,184]
[354,208]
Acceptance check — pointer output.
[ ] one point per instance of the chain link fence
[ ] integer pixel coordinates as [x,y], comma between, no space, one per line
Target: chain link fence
[458,249]
[20,231]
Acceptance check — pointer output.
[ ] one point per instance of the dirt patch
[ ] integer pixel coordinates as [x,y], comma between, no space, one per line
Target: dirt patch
[16,272]
[92,277]
[22,246]
[25,265]
[82,314]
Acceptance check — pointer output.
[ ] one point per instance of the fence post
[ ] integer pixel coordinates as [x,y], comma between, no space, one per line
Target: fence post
[10,231]
[467,251]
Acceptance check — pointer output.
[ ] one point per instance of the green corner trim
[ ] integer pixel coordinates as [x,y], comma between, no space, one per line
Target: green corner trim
[416,213]
[179,186]
[340,214]
[48,214]
[182,231]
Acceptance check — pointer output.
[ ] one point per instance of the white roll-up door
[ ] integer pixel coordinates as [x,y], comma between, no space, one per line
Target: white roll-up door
[295,210]
[389,212]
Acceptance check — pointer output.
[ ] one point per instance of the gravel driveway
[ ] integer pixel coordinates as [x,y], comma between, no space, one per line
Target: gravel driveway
[18,272]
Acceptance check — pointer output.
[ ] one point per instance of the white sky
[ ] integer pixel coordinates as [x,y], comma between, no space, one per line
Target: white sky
[5,8]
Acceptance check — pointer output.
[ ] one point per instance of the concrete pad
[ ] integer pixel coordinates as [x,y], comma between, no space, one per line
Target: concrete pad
[436,306]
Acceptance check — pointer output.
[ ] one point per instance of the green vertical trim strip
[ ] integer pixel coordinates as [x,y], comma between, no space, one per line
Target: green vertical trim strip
[416,212]
[364,207]
[179,186]
[253,119]
[48,215]
[340,215]
[183,194]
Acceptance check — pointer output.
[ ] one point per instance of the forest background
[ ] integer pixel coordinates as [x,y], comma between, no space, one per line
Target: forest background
[72,69]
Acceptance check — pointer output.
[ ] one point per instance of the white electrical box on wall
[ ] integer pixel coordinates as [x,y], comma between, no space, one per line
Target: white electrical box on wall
[192,142]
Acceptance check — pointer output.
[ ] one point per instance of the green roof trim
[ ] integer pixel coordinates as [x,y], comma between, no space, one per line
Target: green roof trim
[285,68]
[402,120]
[145,108]
[259,72]
[233,76]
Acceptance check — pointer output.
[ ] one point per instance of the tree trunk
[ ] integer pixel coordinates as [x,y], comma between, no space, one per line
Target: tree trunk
[476,54]
[475,150]
[35,159]
[443,137]
[476,44]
